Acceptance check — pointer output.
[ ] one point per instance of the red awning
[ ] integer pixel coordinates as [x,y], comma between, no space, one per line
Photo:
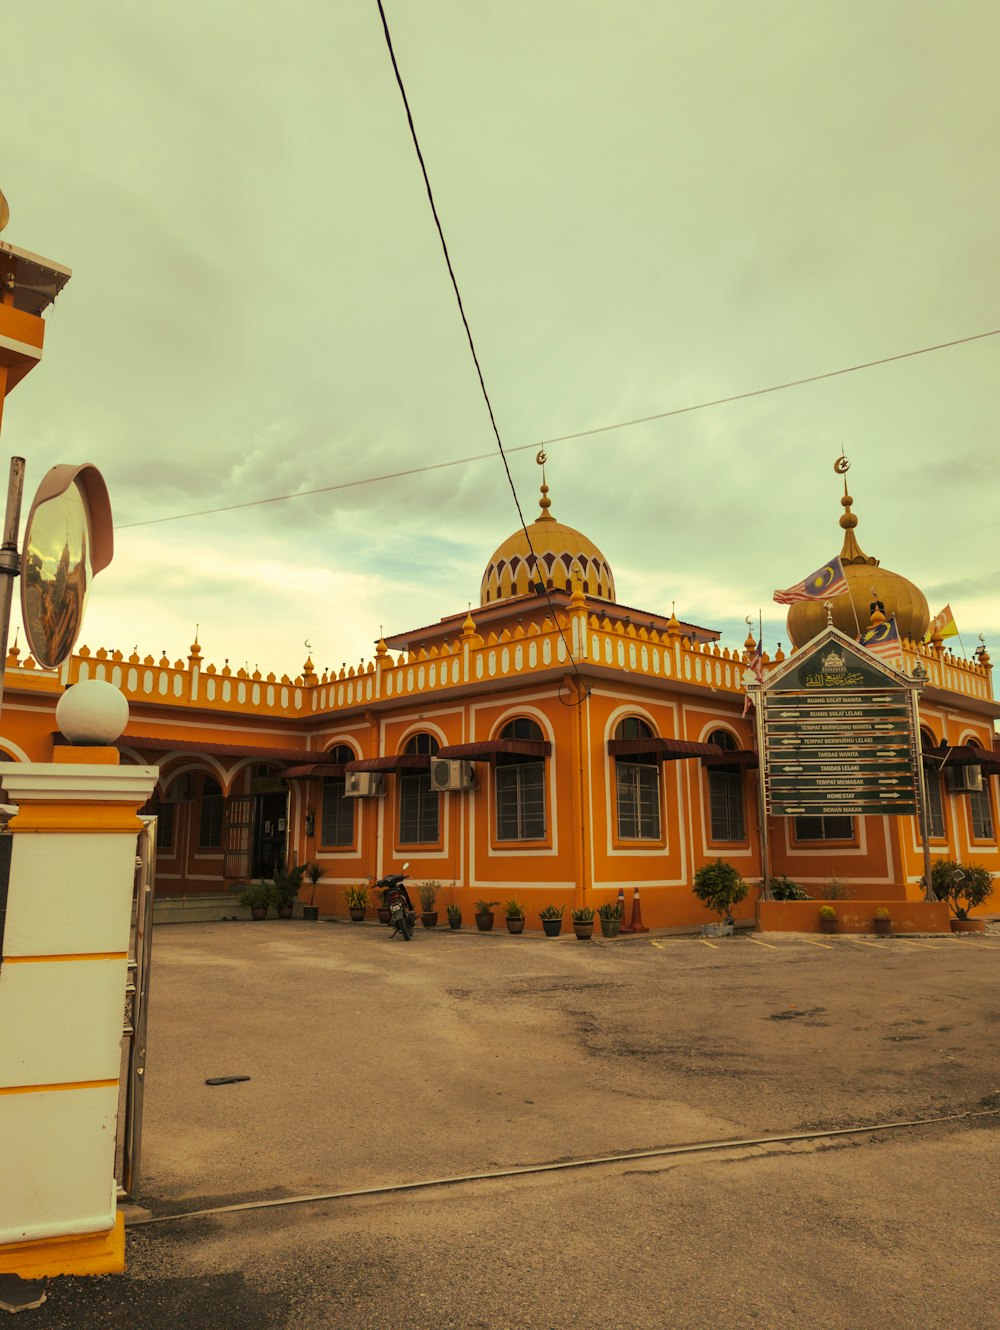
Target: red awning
[962,755]
[310,769]
[218,748]
[484,749]
[664,750]
[398,762]
[731,757]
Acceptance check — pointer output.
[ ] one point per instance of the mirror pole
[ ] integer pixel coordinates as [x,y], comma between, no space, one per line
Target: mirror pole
[10,561]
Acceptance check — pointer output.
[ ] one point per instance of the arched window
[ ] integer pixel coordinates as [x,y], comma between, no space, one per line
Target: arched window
[419,805]
[725,793]
[980,806]
[520,786]
[932,788]
[210,815]
[337,819]
[637,785]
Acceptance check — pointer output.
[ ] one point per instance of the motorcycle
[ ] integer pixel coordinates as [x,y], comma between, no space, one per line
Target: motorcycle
[394,897]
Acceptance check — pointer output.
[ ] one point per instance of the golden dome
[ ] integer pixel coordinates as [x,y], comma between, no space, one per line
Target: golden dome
[510,571]
[867,582]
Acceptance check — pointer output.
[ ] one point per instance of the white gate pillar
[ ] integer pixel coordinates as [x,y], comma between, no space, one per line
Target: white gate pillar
[63,973]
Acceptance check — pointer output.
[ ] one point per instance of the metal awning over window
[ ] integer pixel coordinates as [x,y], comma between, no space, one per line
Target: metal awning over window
[734,757]
[310,769]
[962,755]
[666,750]
[484,749]
[218,748]
[397,762]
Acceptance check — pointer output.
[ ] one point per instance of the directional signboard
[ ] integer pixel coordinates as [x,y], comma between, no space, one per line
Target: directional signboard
[838,735]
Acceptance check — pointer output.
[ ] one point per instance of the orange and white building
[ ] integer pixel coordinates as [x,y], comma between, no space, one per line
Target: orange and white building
[554,745]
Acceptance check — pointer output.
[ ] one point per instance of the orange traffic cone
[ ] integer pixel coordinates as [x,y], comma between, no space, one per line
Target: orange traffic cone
[636,925]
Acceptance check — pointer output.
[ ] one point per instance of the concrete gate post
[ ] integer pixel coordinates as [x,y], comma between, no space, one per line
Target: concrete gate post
[63,973]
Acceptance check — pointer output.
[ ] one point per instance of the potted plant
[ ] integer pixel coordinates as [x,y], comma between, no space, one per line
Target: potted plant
[552,917]
[827,919]
[963,887]
[882,921]
[719,887]
[784,889]
[357,901]
[285,890]
[515,916]
[381,909]
[256,899]
[610,915]
[484,915]
[454,916]
[583,922]
[314,872]
[428,895]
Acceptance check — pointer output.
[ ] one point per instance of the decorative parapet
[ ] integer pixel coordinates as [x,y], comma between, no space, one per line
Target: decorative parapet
[469,659]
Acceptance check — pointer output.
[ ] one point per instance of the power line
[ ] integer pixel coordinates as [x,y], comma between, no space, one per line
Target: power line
[536,566]
[562,438]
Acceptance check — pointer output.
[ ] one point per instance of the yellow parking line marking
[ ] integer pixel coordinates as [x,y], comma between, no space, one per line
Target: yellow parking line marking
[914,943]
[705,943]
[656,944]
[877,946]
[757,943]
[825,945]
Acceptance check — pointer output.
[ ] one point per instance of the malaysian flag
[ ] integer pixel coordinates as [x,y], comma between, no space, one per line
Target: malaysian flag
[755,663]
[820,585]
[882,640]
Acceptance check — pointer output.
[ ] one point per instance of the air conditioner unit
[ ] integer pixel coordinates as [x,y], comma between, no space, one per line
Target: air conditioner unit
[965,780]
[451,774]
[364,784]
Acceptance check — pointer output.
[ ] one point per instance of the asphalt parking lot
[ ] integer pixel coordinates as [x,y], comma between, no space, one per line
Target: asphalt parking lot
[375,1063]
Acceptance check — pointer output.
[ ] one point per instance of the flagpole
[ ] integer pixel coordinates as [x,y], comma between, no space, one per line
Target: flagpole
[919,679]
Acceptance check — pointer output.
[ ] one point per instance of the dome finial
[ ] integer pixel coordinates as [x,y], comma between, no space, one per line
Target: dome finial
[545,503]
[851,551]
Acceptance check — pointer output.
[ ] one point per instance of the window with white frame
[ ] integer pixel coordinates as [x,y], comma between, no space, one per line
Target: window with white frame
[725,794]
[980,807]
[419,805]
[519,781]
[337,818]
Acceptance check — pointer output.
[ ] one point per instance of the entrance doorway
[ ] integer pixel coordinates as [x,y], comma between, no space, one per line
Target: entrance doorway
[270,834]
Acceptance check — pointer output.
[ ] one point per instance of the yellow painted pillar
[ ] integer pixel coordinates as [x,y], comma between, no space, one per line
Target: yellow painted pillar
[62,997]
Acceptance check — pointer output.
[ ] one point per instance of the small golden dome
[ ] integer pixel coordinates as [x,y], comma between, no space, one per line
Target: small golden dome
[510,571]
[867,583]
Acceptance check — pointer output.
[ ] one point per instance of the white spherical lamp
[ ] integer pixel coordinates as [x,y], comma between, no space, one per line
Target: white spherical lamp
[92,713]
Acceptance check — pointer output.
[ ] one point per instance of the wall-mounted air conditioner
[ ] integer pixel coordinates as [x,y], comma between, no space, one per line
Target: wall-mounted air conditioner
[451,774]
[965,780]
[364,784]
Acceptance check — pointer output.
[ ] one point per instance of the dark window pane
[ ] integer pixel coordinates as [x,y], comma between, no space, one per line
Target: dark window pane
[633,728]
[824,828]
[418,809]
[935,805]
[521,801]
[638,790]
[982,814]
[210,816]
[164,825]
[337,826]
[725,796]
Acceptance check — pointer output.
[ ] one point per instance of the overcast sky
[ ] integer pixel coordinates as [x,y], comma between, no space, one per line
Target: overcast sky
[648,205]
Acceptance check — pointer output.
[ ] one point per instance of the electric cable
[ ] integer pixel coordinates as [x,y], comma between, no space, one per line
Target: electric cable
[560,438]
[536,566]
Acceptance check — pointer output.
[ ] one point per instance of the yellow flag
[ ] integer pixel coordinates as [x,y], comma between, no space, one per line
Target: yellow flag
[944,623]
